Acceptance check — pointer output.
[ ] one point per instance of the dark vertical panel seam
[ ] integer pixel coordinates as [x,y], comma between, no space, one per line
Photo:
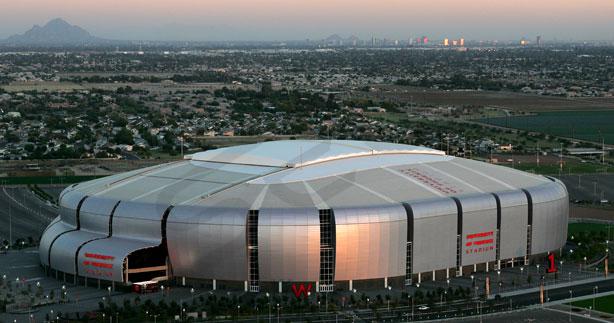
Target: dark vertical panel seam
[77,213]
[459,231]
[498,201]
[88,241]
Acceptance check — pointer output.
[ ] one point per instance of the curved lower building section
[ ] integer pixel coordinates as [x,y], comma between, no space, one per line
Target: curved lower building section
[327,212]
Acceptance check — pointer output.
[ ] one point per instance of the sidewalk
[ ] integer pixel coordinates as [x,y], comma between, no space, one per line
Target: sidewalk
[551,286]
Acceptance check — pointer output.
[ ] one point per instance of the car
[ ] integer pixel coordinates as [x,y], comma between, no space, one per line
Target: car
[423,307]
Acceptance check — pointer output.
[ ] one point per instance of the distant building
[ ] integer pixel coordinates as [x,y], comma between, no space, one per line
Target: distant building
[538,41]
[446,42]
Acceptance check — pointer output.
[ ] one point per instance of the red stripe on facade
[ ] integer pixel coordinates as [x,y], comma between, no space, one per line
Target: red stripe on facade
[101,265]
[97,256]
[480,235]
[481,242]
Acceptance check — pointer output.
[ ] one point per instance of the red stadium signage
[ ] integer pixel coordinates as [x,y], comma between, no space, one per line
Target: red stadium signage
[301,290]
[95,264]
[480,242]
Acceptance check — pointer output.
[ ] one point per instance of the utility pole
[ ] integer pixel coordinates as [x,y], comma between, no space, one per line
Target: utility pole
[602,151]
[181,139]
[10,224]
[561,161]
[537,155]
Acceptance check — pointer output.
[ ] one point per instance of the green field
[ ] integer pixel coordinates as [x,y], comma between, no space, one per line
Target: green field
[589,228]
[602,304]
[585,125]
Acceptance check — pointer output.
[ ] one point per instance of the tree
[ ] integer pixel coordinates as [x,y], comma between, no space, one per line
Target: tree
[124,136]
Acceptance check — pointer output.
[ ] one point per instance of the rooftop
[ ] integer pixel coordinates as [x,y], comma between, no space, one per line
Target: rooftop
[299,153]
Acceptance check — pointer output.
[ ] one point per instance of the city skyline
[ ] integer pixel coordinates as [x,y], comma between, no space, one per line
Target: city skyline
[278,20]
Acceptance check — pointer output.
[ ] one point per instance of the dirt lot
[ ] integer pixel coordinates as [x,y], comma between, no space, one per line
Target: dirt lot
[509,100]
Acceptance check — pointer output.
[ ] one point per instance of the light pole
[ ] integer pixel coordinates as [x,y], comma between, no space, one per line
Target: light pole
[412,308]
[277,312]
[595,291]
[238,311]
[268,296]
[389,289]
[192,294]
[570,298]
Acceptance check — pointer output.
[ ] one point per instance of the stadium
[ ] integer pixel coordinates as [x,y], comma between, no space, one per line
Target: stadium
[334,213]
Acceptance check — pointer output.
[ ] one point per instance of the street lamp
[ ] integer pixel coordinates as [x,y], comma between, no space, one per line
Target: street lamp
[595,291]
[277,312]
[268,296]
[192,294]
[570,298]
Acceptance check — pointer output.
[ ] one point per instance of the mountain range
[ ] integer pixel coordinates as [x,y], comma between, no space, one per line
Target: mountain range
[56,32]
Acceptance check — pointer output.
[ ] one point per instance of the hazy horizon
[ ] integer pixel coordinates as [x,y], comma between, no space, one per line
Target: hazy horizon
[202,20]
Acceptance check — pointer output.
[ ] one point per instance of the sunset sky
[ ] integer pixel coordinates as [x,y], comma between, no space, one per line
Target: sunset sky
[315,19]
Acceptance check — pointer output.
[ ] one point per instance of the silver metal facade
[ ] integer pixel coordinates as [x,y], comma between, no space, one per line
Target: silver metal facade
[289,244]
[207,242]
[206,227]
[370,242]
[104,258]
[139,221]
[514,218]
[435,234]
[52,231]
[479,232]
[550,216]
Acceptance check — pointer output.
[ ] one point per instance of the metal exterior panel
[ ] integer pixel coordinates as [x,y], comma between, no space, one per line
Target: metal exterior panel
[289,244]
[479,233]
[104,258]
[370,242]
[54,229]
[94,214]
[435,232]
[514,209]
[207,242]
[69,203]
[65,247]
[550,216]
[143,221]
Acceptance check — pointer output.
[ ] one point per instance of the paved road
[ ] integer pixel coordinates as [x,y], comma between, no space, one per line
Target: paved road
[590,187]
[23,213]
